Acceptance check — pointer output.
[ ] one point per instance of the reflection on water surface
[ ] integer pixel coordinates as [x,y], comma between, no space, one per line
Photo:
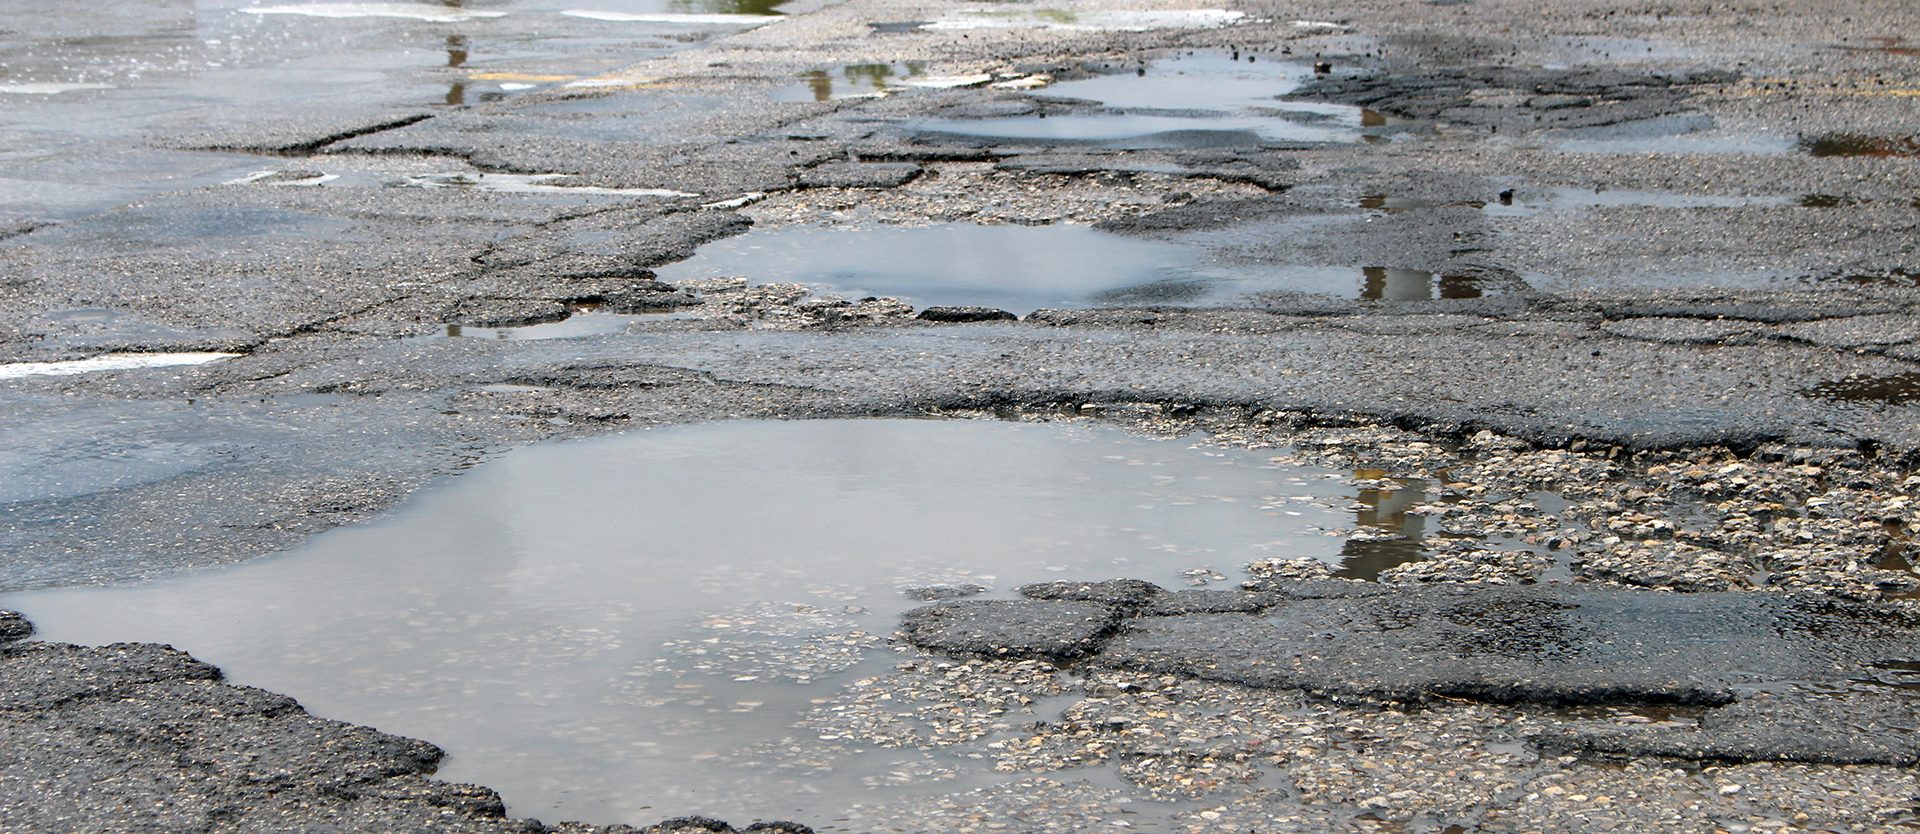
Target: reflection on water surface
[599,629]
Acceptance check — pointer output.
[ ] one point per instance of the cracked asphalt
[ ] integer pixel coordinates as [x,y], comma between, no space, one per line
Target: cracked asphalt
[1586,226]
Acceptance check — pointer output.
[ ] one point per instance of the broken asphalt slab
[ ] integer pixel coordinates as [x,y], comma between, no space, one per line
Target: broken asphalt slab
[1768,672]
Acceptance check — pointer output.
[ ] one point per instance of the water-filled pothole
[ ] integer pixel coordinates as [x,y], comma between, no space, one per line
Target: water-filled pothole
[1385,284]
[1860,144]
[1025,268]
[851,81]
[578,325]
[1016,268]
[1189,101]
[634,627]
[1896,389]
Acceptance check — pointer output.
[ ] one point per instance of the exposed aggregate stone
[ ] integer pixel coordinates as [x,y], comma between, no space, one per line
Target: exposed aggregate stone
[997,197]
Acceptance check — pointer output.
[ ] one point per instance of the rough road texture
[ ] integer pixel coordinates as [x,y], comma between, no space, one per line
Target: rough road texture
[139,737]
[1783,678]
[1696,234]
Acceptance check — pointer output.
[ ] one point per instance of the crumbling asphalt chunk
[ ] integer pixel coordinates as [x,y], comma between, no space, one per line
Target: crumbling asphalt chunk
[1836,724]
[112,727]
[508,312]
[1523,98]
[1127,594]
[935,593]
[1056,629]
[962,315]
[859,175]
[1535,645]
[1181,603]
[13,627]
[1774,677]
[49,674]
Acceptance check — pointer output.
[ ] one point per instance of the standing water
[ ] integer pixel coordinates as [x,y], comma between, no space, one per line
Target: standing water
[603,630]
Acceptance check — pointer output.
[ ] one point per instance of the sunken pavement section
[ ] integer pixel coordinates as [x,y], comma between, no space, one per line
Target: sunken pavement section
[1775,676]
[337,407]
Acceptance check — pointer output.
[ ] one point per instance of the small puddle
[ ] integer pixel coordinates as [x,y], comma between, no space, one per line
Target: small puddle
[1889,45]
[1389,204]
[723,18]
[1024,268]
[1384,284]
[1859,144]
[851,81]
[110,362]
[1825,201]
[1898,389]
[579,325]
[607,630]
[1396,537]
[1193,101]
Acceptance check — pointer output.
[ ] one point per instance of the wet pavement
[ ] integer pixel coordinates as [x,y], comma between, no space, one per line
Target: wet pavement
[590,667]
[1643,279]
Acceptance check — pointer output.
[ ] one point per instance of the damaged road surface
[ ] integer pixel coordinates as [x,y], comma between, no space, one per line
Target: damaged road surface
[1774,678]
[1599,323]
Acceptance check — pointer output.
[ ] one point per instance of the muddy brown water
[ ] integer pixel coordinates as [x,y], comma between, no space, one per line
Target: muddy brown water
[597,628]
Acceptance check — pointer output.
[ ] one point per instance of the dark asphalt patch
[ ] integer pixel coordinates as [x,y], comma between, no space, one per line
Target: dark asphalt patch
[1770,669]
[1012,628]
[13,626]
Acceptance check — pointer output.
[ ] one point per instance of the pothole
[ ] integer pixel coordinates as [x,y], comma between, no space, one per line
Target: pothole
[647,625]
[1895,389]
[1198,100]
[852,81]
[1025,268]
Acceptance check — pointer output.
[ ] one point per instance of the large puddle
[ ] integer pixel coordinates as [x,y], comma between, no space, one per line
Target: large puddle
[617,629]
